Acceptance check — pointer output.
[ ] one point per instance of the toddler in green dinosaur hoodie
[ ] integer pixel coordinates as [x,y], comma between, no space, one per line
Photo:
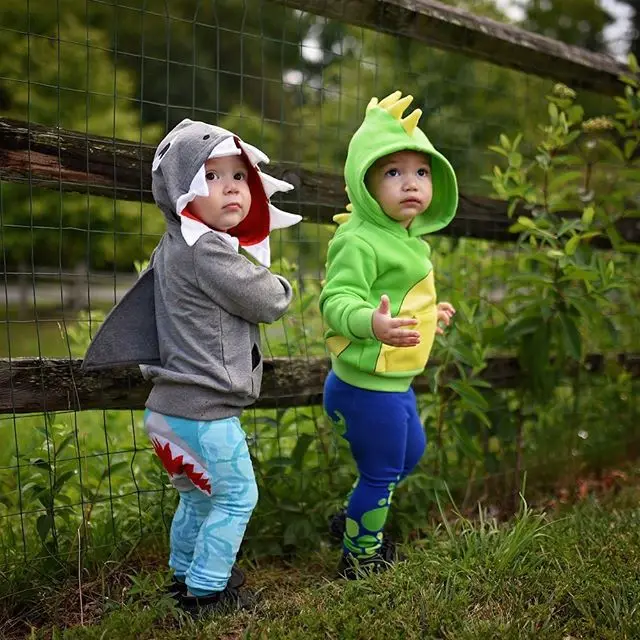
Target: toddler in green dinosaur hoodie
[379,304]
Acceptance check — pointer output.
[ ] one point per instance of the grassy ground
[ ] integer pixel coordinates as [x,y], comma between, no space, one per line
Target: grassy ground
[571,576]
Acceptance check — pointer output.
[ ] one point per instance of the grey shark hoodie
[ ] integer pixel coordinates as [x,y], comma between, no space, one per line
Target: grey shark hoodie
[191,320]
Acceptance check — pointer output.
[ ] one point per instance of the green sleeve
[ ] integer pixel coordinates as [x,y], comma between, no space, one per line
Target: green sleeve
[351,268]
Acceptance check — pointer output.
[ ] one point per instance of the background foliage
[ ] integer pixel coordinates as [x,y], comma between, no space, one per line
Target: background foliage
[82,488]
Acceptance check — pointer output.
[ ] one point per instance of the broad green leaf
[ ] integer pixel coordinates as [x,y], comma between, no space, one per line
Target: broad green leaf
[569,160]
[499,150]
[522,326]
[469,394]
[532,279]
[572,339]
[515,159]
[543,258]
[587,216]
[612,329]
[585,306]
[43,525]
[575,273]
[477,382]
[66,441]
[630,80]
[513,204]
[629,247]
[299,451]
[575,113]
[467,444]
[568,225]
[40,463]
[572,245]
[61,479]
[114,467]
[613,148]
[574,135]
[611,269]
[528,223]
[464,354]
[629,148]
[563,178]
[534,355]
[481,415]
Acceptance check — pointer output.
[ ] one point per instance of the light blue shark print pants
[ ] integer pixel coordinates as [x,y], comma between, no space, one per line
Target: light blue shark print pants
[209,464]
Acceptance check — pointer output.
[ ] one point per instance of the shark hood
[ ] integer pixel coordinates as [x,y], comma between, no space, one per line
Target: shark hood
[178,177]
[384,132]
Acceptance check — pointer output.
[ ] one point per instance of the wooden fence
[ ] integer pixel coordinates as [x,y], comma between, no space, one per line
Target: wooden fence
[73,161]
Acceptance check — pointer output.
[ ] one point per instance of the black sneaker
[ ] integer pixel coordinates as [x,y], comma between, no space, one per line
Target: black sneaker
[337,525]
[353,568]
[389,550]
[236,580]
[231,599]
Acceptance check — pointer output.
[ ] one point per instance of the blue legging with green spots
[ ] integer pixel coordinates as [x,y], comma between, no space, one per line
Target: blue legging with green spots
[387,440]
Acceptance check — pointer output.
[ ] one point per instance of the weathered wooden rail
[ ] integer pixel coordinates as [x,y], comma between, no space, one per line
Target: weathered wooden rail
[451,29]
[119,169]
[33,384]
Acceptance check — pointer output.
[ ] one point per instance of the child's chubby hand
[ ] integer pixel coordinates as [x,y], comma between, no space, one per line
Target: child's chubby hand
[389,330]
[445,313]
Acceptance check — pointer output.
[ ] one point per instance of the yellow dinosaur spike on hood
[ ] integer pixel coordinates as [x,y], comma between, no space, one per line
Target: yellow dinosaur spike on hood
[395,105]
[398,108]
[410,123]
[341,218]
[390,100]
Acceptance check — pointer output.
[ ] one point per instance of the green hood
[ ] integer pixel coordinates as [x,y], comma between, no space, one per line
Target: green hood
[382,133]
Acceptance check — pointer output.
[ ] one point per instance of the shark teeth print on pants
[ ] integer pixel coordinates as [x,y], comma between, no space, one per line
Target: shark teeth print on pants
[209,464]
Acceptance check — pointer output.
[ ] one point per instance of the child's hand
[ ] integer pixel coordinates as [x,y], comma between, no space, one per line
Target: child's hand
[445,313]
[388,329]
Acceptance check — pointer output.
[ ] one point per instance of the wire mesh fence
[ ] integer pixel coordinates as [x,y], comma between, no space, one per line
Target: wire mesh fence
[87,89]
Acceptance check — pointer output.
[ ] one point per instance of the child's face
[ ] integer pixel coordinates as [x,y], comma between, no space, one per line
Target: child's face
[229,198]
[401,183]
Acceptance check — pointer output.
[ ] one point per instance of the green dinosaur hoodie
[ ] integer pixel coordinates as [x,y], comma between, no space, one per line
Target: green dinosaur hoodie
[371,254]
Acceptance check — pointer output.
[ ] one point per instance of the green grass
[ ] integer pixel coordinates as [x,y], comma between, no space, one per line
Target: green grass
[568,577]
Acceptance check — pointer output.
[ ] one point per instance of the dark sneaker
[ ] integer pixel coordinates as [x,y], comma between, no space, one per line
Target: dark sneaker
[236,580]
[231,599]
[337,525]
[353,568]
[390,552]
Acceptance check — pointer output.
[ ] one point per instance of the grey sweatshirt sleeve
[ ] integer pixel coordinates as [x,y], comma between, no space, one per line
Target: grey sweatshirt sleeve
[236,284]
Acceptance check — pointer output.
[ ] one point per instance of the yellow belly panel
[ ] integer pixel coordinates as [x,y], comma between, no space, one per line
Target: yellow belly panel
[419,303]
[337,344]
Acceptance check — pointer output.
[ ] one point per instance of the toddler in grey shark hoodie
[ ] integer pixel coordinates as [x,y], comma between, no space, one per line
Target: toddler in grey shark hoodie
[191,322]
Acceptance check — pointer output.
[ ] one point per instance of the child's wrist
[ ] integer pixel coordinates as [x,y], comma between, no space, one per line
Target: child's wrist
[361,323]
